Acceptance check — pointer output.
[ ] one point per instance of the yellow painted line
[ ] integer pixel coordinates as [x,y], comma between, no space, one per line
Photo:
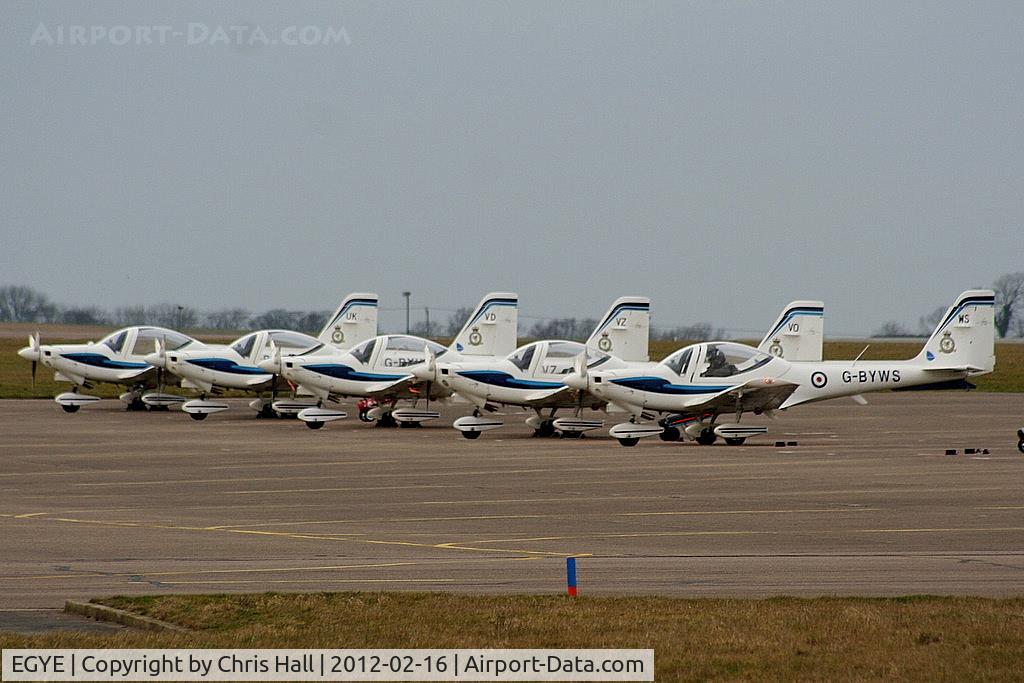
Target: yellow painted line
[61,473]
[745,512]
[377,520]
[345,488]
[347,538]
[333,463]
[30,514]
[644,534]
[318,581]
[1000,507]
[263,570]
[940,530]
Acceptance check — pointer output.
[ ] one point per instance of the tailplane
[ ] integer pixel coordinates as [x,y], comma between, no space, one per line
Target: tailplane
[624,331]
[797,333]
[965,336]
[491,329]
[354,321]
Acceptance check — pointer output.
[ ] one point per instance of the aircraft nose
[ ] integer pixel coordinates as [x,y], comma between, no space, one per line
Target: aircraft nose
[575,381]
[270,365]
[155,359]
[28,353]
[422,372]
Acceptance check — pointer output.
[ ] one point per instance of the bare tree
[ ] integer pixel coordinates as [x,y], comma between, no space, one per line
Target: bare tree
[228,319]
[1009,291]
[25,305]
[927,323]
[892,329]
[311,322]
[130,315]
[456,320]
[694,332]
[563,328]
[84,315]
[276,318]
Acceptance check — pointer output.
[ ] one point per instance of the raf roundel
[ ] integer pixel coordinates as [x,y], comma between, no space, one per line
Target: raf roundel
[819,379]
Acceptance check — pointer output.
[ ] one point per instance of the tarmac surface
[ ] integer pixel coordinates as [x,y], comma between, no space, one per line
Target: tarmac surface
[106,502]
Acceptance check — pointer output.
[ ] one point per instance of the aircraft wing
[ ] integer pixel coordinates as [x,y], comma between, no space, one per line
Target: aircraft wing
[752,396]
[545,395]
[377,388]
[137,374]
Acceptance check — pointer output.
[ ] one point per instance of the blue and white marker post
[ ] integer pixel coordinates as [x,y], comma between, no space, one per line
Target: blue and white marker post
[570,576]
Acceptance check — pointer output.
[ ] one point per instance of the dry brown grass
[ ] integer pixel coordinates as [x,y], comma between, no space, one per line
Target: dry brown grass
[921,638]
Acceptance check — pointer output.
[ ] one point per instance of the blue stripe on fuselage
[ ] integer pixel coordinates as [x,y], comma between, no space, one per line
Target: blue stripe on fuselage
[227,365]
[503,379]
[659,385]
[98,360]
[339,371]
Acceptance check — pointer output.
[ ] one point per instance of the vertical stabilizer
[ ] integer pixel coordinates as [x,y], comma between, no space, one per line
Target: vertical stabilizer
[797,333]
[625,329]
[492,328]
[965,336]
[354,321]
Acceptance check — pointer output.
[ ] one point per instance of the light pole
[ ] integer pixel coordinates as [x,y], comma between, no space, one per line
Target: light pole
[407,294]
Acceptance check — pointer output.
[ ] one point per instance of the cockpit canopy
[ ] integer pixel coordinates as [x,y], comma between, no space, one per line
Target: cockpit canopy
[555,357]
[289,342]
[716,359]
[398,343]
[145,340]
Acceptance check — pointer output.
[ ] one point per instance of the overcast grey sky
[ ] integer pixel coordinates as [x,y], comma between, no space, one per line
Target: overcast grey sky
[722,157]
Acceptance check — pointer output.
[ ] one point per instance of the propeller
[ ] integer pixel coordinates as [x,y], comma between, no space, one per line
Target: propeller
[275,351]
[430,362]
[161,352]
[578,379]
[33,343]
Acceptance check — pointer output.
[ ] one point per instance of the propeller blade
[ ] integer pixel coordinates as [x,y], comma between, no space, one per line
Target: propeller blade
[431,363]
[34,363]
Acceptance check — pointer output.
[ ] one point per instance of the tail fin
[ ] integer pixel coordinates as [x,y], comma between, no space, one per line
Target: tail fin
[492,328]
[354,321]
[625,329]
[797,333]
[965,336]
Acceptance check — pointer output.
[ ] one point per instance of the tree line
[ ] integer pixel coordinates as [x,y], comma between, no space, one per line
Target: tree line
[25,304]
[1009,313]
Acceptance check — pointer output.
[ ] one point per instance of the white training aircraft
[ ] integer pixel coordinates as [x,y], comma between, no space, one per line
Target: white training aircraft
[530,377]
[382,368]
[533,376]
[215,368]
[118,358]
[701,382]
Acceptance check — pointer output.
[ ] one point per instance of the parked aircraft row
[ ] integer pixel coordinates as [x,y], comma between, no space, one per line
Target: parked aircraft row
[699,392]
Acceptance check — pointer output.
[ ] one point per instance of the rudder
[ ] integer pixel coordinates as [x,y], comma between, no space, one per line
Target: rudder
[492,328]
[965,336]
[353,322]
[625,329]
[797,334]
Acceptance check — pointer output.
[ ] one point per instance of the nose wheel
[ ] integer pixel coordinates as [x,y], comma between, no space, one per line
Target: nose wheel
[70,409]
